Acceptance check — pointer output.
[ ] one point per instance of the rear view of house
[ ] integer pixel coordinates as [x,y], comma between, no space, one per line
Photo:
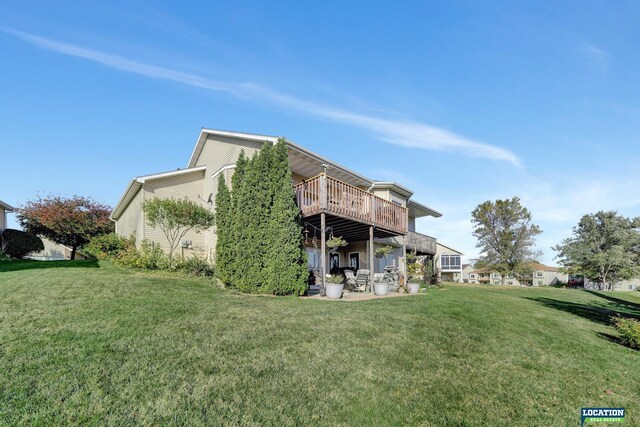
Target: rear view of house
[364,212]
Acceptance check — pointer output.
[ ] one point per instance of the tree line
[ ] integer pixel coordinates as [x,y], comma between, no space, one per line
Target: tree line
[604,247]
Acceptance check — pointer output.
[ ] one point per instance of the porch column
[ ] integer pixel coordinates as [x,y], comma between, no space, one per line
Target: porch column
[371,258]
[323,254]
[404,258]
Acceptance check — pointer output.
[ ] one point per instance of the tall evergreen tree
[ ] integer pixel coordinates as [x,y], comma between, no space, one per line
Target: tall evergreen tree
[285,256]
[235,223]
[224,224]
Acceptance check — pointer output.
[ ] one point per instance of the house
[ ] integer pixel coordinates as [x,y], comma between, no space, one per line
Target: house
[467,270]
[448,262]
[541,275]
[54,252]
[364,212]
[5,208]
[623,285]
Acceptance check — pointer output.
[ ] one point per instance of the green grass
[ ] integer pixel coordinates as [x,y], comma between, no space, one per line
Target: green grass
[96,344]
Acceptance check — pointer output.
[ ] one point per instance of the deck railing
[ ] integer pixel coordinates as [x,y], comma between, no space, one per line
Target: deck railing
[326,194]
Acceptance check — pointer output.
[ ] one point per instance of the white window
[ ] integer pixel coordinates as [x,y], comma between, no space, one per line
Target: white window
[450,262]
[510,282]
[473,276]
[539,274]
[496,275]
[496,282]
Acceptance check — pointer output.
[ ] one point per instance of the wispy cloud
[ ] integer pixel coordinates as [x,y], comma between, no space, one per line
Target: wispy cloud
[594,53]
[399,132]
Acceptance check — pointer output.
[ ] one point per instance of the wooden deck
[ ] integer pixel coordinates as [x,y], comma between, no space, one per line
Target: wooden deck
[324,194]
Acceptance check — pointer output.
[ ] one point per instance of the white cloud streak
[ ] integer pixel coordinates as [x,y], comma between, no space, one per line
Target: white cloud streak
[398,132]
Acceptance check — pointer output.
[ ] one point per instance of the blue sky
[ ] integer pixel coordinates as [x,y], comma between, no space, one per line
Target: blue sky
[460,101]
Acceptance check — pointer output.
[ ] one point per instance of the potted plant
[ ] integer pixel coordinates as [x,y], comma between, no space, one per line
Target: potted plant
[334,286]
[414,269]
[335,242]
[382,287]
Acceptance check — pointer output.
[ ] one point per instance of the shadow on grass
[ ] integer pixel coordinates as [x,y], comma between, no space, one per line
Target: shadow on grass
[594,312]
[631,305]
[18,265]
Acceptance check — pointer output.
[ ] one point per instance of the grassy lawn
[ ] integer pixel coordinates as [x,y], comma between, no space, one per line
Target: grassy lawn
[89,343]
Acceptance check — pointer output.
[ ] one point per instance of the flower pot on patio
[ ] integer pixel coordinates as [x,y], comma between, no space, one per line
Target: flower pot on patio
[381,288]
[334,290]
[414,288]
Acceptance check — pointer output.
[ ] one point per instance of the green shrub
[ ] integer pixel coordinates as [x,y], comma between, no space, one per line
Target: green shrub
[629,330]
[18,244]
[150,256]
[109,246]
[335,278]
[195,266]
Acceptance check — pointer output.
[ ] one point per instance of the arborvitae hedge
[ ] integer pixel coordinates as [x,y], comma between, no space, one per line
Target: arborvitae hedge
[264,250]
[286,255]
[224,222]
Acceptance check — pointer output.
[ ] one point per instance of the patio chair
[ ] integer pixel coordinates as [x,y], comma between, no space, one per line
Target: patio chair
[362,280]
[350,279]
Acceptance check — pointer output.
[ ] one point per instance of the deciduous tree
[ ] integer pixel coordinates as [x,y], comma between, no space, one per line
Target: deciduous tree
[506,235]
[604,248]
[68,221]
[176,217]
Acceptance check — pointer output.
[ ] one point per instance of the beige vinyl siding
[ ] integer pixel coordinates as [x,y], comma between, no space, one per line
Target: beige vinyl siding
[382,193]
[412,224]
[397,197]
[219,151]
[131,221]
[179,186]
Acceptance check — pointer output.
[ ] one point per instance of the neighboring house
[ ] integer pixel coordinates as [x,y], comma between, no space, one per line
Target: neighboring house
[366,213]
[5,208]
[542,275]
[448,262]
[467,270]
[54,252]
[624,285]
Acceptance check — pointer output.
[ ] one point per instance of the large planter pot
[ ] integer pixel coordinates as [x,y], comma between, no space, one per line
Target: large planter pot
[414,288]
[381,288]
[334,290]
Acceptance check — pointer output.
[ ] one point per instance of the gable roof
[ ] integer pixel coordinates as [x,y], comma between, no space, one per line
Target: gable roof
[7,207]
[137,182]
[450,248]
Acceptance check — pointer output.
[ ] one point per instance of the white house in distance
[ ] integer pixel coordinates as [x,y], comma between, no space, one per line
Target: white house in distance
[448,262]
[542,275]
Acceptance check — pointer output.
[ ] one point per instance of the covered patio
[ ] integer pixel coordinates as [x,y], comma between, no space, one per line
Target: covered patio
[340,209]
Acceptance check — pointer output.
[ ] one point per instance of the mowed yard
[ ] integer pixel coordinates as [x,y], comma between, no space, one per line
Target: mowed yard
[90,343]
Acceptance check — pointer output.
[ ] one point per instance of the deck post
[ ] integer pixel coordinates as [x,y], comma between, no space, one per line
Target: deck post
[371,259]
[404,258]
[323,191]
[323,254]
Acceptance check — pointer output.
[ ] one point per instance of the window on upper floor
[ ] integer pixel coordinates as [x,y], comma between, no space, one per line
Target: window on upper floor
[539,274]
[450,262]
[496,274]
